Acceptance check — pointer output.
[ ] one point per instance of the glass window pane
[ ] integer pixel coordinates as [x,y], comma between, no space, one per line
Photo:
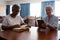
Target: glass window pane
[35,9]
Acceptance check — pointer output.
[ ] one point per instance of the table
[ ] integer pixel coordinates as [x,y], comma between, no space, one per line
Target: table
[58,34]
[32,34]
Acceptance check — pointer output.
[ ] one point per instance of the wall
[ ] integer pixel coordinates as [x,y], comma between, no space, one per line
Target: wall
[17,2]
[2,10]
[23,1]
[4,3]
[10,2]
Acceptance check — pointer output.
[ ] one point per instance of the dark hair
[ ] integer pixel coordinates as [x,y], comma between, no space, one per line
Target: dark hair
[15,7]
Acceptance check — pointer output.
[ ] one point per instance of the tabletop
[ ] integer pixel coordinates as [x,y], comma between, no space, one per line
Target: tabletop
[32,34]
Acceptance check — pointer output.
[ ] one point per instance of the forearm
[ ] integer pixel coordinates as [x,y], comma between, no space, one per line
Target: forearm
[6,27]
[52,27]
[22,23]
[9,27]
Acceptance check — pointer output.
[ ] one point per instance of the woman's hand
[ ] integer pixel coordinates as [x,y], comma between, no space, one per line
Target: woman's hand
[16,25]
[44,24]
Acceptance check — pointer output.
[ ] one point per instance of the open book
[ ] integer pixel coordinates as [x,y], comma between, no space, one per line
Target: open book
[22,28]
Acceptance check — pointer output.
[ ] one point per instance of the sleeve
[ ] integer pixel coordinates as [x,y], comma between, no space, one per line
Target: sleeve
[5,22]
[55,22]
[21,19]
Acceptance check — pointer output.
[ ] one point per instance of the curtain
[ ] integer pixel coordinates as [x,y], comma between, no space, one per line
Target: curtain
[44,4]
[7,9]
[25,10]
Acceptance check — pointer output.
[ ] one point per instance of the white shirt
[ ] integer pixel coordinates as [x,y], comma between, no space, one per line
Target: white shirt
[9,21]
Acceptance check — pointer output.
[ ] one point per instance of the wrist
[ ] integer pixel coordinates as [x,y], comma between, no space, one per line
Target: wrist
[47,24]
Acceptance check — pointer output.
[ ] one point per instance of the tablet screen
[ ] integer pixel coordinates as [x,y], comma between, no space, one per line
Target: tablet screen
[40,22]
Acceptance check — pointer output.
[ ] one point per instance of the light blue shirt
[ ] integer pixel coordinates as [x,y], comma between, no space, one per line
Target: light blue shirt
[53,21]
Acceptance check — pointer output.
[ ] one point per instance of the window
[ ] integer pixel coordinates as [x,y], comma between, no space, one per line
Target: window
[35,9]
[57,8]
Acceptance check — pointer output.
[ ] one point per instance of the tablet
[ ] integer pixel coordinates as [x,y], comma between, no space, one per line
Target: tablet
[40,22]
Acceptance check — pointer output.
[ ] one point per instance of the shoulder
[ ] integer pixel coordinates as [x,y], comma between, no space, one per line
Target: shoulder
[18,17]
[44,18]
[55,17]
[5,17]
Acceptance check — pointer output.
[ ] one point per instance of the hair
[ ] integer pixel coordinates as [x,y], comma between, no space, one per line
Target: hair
[14,7]
[49,6]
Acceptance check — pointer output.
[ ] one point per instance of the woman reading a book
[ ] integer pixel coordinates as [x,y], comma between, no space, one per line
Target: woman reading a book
[12,20]
[50,21]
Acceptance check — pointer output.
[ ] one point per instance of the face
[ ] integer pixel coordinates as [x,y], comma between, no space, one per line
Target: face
[48,11]
[15,11]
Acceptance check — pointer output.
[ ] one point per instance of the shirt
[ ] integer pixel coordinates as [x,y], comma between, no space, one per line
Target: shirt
[53,21]
[9,21]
